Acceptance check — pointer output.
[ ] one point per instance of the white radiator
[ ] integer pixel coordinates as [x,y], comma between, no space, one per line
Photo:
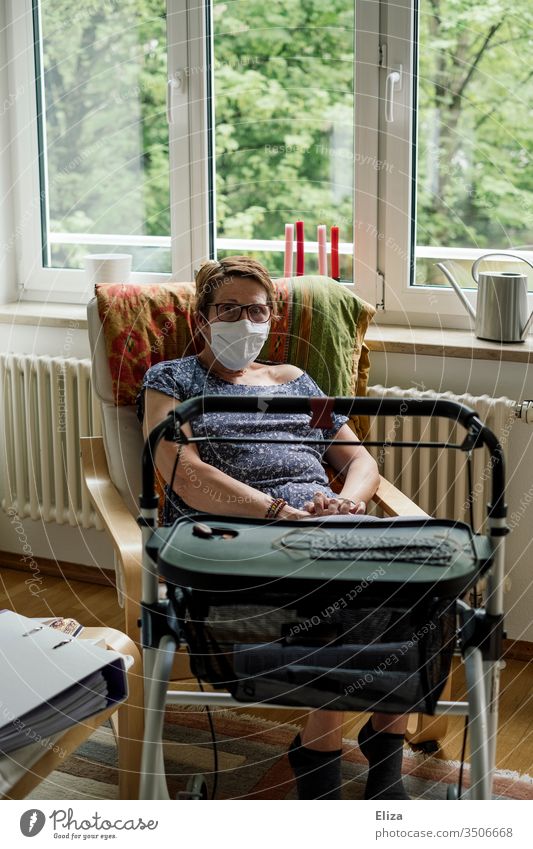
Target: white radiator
[436,478]
[47,405]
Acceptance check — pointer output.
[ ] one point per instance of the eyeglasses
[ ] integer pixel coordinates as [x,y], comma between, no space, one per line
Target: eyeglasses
[257,313]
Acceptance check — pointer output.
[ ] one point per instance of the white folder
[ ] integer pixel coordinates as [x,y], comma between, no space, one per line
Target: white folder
[49,681]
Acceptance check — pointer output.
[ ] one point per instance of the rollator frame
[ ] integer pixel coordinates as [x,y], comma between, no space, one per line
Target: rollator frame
[480,629]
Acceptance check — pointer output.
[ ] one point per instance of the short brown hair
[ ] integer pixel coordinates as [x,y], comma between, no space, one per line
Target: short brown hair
[213,274]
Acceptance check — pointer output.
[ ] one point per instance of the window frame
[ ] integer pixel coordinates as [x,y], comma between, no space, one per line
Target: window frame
[390,290]
[384,199]
[366,281]
[366,145]
[397,301]
[36,282]
[189,148]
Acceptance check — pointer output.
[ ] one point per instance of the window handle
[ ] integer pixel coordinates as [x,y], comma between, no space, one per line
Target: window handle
[393,80]
[176,83]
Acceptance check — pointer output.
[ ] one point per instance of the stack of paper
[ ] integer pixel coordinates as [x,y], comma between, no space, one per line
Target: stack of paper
[50,681]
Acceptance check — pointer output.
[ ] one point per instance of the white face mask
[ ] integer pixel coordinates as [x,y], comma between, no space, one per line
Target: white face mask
[236,344]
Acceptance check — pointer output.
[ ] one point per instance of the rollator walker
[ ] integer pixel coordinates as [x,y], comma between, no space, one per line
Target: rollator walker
[355,614]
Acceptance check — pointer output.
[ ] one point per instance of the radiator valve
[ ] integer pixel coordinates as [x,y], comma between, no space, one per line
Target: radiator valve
[524,410]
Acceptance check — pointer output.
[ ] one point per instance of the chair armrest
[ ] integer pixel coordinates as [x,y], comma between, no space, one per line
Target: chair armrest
[122,528]
[393,502]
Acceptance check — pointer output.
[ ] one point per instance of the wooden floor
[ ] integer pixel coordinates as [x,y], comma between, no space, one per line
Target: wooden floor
[94,605]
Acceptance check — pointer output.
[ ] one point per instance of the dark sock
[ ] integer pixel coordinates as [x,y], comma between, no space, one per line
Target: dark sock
[318,774]
[384,753]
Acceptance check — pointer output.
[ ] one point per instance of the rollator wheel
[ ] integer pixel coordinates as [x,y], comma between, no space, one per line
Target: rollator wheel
[197,787]
[452,791]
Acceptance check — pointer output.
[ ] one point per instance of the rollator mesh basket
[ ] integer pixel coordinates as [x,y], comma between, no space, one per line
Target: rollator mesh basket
[393,659]
[348,617]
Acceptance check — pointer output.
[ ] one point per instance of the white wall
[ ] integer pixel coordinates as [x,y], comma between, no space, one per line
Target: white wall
[479,377]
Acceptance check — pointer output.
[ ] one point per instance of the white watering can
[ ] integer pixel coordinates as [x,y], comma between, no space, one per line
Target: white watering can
[502,313]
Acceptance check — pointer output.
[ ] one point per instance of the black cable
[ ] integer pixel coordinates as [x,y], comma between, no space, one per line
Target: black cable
[476,602]
[463,752]
[214,743]
[471,511]
[470,489]
[171,483]
[175,466]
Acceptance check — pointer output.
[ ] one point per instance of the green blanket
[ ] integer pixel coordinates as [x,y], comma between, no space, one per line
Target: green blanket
[322,331]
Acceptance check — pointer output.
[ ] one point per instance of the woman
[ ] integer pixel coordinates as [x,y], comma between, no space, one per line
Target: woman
[235,306]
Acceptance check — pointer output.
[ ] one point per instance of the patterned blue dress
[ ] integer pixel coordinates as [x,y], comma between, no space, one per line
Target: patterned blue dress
[291,471]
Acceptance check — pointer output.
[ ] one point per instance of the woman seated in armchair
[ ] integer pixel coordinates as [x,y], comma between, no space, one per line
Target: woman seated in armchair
[235,305]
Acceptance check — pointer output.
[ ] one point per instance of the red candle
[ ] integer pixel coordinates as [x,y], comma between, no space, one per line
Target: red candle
[335,253]
[300,262]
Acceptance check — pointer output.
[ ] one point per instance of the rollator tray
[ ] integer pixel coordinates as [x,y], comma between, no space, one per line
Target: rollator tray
[409,556]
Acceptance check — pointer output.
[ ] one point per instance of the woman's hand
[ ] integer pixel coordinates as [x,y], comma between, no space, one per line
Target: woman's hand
[324,505]
[288,512]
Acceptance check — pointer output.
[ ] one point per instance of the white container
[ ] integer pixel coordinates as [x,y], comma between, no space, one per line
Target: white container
[107,268]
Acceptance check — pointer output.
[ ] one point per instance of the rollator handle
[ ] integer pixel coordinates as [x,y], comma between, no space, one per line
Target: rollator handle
[347,406]
[321,408]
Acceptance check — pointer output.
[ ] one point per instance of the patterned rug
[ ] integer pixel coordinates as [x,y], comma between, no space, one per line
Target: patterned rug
[252,763]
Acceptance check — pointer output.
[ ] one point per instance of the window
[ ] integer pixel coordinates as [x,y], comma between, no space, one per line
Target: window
[95,157]
[104,136]
[283,125]
[103,131]
[197,129]
[474,176]
[459,176]
[184,129]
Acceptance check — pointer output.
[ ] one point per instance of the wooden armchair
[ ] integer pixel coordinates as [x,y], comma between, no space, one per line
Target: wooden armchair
[111,467]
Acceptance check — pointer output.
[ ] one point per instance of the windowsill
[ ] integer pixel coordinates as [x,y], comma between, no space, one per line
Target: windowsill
[384,338]
[44,315]
[437,342]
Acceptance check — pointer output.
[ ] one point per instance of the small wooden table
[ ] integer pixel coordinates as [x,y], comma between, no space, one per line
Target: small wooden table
[126,719]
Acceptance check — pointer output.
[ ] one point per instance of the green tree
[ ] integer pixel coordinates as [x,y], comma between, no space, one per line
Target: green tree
[284,117]
[106,137]
[475,181]
[283,89]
